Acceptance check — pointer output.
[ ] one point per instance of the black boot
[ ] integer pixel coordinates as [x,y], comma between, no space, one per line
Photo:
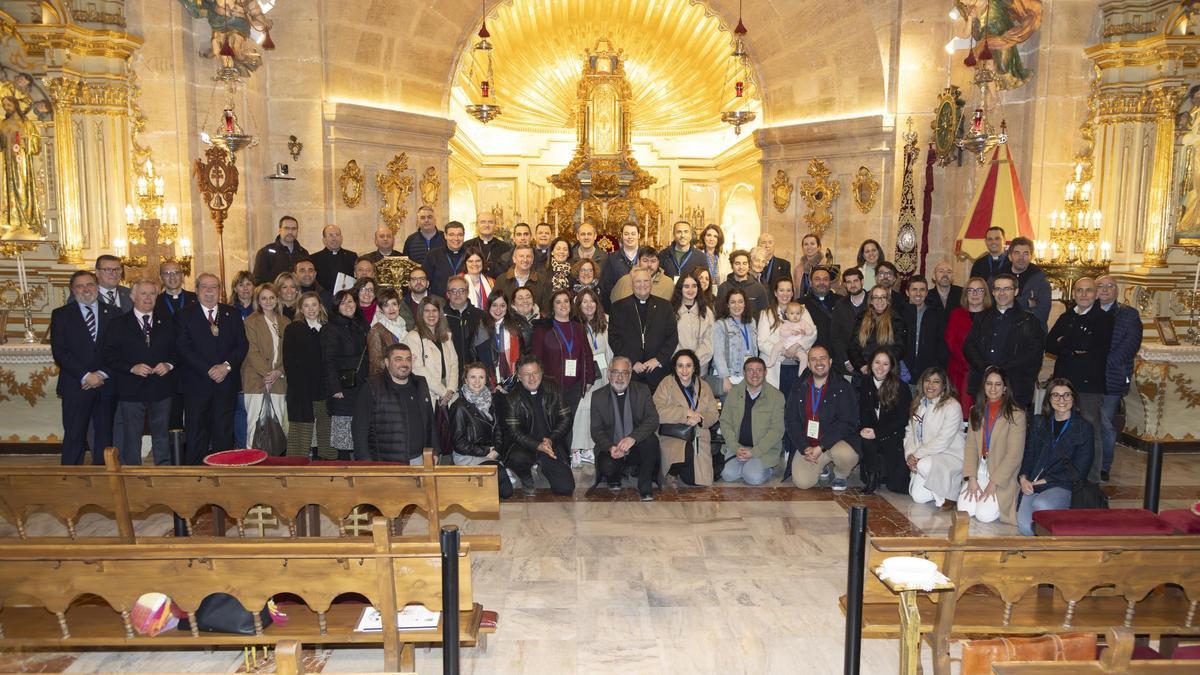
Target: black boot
[872,474]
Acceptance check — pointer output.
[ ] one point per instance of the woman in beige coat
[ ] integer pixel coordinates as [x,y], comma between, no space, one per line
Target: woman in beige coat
[433,353]
[262,369]
[994,448]
[695,319]
[687,399]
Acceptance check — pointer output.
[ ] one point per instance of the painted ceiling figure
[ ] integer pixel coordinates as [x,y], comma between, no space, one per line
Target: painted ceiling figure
[231,22]
[21,143]
[1007,23]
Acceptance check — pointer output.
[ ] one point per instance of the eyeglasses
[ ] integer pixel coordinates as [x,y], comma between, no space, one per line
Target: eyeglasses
[977,291]
[172,274]
[619,373]
[1003,289]
[1061,396]
[875,298]
[1106,285]
[456,290]
[108,269]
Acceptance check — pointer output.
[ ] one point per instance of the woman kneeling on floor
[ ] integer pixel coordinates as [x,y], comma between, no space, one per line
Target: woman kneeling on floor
[933,444]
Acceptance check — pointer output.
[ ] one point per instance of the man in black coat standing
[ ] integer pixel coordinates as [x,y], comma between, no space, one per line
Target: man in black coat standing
[463,320]
[945,294]
[211,343]
[491,248]
[77,333]
[140,353]
[821,301]
[680,257]
[926,329]
[642,328]
[846,314]
[1009,337]
[625,429]
[174,297]
[427,237]
[393,414]
[332,259]
[994,261]
[446,261]
[280,255]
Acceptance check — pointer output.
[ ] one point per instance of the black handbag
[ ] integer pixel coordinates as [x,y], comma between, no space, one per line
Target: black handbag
[684,432]
[347,377]
[223,613]
[1084,493]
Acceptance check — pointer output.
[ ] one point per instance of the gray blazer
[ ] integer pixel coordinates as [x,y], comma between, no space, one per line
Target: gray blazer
[123,293]
[642,410]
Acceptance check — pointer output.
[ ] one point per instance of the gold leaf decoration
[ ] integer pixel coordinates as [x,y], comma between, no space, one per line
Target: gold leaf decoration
[394,188]
[350,184]
[819,193]
[781,191]
[32,390]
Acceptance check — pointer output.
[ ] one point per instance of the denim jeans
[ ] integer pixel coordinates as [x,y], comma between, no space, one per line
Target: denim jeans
[750,470]
[1108,430]
[1050,498]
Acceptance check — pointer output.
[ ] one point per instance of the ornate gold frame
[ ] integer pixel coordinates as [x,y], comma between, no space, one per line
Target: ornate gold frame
[864,179]
[394,188]
[819,194]
[781,191]
[430,186]
[351,184]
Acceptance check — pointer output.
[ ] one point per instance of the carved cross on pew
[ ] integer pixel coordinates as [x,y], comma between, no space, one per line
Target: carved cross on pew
[358,523]
[261,516]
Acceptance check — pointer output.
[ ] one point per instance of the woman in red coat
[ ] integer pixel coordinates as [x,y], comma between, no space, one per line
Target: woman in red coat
[975,299]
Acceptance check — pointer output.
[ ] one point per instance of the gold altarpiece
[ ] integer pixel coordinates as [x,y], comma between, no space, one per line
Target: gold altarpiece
[603,182]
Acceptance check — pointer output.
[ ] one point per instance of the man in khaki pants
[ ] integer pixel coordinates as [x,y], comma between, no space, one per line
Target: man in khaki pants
[822,424]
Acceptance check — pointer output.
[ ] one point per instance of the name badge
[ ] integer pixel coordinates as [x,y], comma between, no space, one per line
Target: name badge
[601,361]
[569,367]
[814,429]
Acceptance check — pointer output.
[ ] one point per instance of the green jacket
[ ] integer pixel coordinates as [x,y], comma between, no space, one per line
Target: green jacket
[767,422]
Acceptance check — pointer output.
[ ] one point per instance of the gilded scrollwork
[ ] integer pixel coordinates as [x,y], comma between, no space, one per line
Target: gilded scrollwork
[865,189]
[394,188]
[430,186]
[32,390]
[350,184]
[781,191]
[819,193]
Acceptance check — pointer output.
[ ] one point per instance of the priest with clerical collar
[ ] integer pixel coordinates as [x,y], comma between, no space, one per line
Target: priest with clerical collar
[446,261]
[385,241]
[333,259]
[491,249]
[995,261]
[642,328]
[174,297]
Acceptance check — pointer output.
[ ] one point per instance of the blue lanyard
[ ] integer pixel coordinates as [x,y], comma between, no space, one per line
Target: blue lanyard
[745,335]
[989,423]
[499,342]
[687,391]
[592,335]
[713,264]
[815,394]
[925,403]
[453,265]
[686,258]
[570,344]
[1060,433]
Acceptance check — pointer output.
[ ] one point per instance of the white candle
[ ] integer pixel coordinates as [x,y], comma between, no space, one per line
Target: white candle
[1196,282]
[21,279]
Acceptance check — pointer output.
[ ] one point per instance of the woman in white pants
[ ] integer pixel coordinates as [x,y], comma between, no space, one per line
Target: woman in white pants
[590,313]
[934,441]
[994,449]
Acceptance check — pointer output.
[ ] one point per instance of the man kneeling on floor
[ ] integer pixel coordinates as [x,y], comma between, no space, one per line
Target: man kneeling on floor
[822,423]
[538,423]
[625,420]
[752,424]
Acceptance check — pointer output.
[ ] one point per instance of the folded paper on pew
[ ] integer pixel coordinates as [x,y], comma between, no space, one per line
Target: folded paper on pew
[411,618]
[154,613]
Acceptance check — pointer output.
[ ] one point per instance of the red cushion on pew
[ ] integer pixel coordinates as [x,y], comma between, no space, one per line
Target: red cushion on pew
[1189,653]
[1101,522]
[285,461]
[355,462]
[1140,653]
[1183,520]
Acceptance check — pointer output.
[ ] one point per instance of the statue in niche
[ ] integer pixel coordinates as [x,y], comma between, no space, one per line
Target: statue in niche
[1188,167]
[21,143]
[231,22]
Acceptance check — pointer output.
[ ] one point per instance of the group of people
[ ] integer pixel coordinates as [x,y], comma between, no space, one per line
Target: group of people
[539,355]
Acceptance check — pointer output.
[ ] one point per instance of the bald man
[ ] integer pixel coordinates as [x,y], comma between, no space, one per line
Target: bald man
[385,246]
[333,259]
[944,294]
[774,267]
[490,248]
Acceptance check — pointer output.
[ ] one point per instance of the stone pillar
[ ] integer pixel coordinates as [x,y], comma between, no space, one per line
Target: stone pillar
[1159,229]
[70,229]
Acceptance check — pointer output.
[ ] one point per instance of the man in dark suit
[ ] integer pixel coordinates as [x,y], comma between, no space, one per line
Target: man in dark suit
[446,261]
[109,290]
[926,329]
[625,429]
[995,261]
[212,344]
[77,333]
[174,297]
[332,259]
[280,255]
[522,274]
[821,302]
[385,240]
[681,257]
[140,353]
[642,328]
[775,268]
[945,294]
[490,248]
[1009,337]
[427,237]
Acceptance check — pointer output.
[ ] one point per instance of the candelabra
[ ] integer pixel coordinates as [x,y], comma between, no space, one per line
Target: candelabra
[1188,301]
[152,229]
[1074,249]
[18,294]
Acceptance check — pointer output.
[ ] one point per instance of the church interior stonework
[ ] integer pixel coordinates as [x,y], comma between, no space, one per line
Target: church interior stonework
[582,336]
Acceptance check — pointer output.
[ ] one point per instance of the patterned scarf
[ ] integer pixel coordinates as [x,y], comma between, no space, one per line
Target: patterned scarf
[397,327]
[482,401]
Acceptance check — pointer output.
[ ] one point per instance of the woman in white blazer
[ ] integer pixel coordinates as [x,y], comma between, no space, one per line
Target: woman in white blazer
[933,444]
[783,371]
[433,354]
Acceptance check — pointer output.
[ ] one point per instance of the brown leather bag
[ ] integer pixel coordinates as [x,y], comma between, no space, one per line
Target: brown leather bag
[979,655]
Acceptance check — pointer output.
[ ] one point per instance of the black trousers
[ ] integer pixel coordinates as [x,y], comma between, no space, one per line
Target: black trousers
[556,469]
[502,482]
[888,459]
[644,455]
[136,416]
[209,424]
[81,408]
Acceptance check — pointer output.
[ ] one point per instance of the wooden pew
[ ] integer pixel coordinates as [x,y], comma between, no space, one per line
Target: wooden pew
[1150,584]
[127,491]
[40,588]
[1117,659]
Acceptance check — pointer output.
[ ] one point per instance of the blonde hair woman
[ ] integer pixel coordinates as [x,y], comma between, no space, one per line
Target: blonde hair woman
[262,370]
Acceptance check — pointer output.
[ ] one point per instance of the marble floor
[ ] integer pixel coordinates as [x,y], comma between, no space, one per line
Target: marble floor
[729,579]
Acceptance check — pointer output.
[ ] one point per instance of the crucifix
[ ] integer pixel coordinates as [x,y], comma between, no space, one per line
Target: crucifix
[148,249]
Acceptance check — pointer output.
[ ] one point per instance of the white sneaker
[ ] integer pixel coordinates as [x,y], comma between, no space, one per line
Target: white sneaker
[576,461]
[587,456]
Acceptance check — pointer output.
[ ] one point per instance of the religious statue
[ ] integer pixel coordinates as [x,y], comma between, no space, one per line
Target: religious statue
[999,26]
[1189,170]
[231,22]
[21,143]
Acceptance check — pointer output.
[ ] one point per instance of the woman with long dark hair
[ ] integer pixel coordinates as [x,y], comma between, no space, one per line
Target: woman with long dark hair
[479,284]
[784,365]
[434,356]
[883,405]
[735,339]
[561,344]
[695,318]
[933,444]
[685,399]
[994,448]
[558,264]
[344,351]
[1059,450]
[712,242]
[477,429]
[589,312]
[499,342]
[870,255]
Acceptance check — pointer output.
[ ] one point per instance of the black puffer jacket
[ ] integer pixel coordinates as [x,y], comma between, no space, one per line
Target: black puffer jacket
[381,429]
[520,417]
[473,433]
[343,342]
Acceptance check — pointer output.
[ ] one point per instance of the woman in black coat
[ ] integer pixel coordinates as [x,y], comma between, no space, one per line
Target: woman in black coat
[1059,449]
[883,402]
[303,366]
[879,325]
[477,427]
[343,348]
[500,342]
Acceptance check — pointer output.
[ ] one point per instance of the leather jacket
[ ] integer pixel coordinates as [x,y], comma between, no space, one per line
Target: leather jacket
[473,433]
[520,417]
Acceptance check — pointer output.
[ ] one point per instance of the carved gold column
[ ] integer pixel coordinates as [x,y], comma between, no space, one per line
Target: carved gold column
[1158,228]
[63,93]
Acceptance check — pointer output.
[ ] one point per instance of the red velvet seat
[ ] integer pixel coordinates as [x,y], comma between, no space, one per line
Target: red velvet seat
[1101,522]
[1182,520]
[285,461]
[355,462]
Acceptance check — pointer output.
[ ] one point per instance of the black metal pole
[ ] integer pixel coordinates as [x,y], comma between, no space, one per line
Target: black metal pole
[175,445]
[1153,478]
[854,589]
[450,648]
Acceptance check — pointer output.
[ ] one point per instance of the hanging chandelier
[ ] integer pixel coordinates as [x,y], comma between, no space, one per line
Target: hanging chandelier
[486,110]
[980,137]
[229,134]
[739,63]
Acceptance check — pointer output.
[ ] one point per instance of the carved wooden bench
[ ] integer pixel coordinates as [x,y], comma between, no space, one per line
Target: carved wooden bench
[1117,659]
[1149,584]
[45,591]
[127,491]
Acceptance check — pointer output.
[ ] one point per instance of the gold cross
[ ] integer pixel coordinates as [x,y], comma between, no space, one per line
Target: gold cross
[261,516]
[358,523]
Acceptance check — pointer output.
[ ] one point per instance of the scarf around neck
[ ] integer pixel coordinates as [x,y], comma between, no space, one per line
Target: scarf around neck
[396,327]
[482,401]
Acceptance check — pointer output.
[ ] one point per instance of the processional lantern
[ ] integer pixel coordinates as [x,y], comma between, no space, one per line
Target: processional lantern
[487,109]
[739,62]
[980,137]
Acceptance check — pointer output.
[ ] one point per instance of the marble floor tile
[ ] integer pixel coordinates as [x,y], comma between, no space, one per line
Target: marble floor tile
[626,656]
